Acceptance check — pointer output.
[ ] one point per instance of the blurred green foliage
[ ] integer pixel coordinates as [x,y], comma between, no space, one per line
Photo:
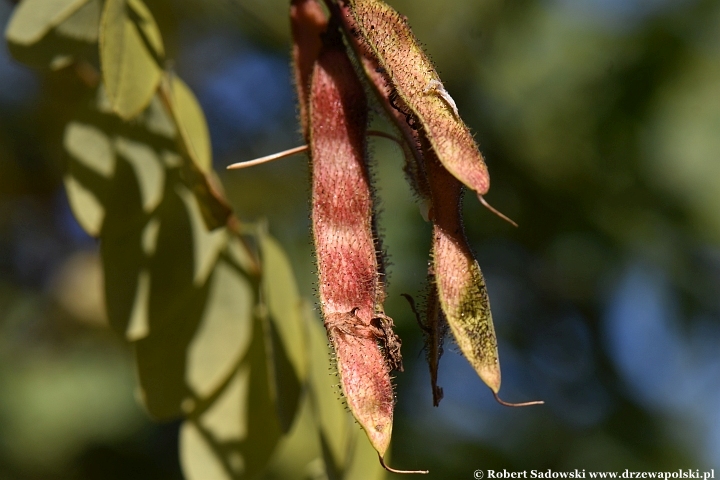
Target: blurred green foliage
[599,122]
[208,304]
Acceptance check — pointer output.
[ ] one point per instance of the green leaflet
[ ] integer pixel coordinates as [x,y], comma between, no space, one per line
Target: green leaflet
[83,24]
[235,436]
[215,342]
[334,422]
[184,295]
[91,166]
[286,328]
[193,127]
[53,32]
[193,142]
[33,19]
[130,51]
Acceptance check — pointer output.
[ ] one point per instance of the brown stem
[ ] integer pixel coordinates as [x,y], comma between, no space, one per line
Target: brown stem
[411,301]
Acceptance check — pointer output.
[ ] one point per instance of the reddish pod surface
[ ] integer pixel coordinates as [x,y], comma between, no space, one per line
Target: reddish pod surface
[307,23]
[384,35]
[342,217]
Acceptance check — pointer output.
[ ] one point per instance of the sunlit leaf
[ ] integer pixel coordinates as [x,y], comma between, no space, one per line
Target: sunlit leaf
[203,181]
[130,51]
[148,28]
[148,169]
[193,125]
[53,33]
[91,146]
[199,460]
[35,18]
[88,210]
[225,332]
[363,464]
[238,432]
[298,454]
[90,166]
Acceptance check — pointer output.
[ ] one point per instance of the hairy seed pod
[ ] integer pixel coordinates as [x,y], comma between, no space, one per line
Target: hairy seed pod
[461,288]
[307,23]
[364,376]
[350,287]
[384,34]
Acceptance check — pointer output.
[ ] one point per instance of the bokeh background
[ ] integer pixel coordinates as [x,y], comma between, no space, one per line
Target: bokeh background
[600,123]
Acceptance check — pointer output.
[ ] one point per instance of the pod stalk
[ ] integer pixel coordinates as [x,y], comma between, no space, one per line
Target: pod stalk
[522,404]
[496,211]
[392,470]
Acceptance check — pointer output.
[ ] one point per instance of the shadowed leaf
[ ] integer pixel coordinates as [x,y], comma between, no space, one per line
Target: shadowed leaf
[175,309]
[284,308]
[84,24]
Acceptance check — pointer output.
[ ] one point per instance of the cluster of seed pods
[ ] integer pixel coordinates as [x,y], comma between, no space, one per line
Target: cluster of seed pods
[441,157]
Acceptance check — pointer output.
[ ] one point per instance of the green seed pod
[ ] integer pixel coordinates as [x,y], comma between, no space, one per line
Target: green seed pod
[460,284]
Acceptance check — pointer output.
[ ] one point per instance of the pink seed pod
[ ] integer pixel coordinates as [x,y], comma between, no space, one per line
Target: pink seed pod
[342,209]
[385,35]
[350,287]
[364,376]
[307,24]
